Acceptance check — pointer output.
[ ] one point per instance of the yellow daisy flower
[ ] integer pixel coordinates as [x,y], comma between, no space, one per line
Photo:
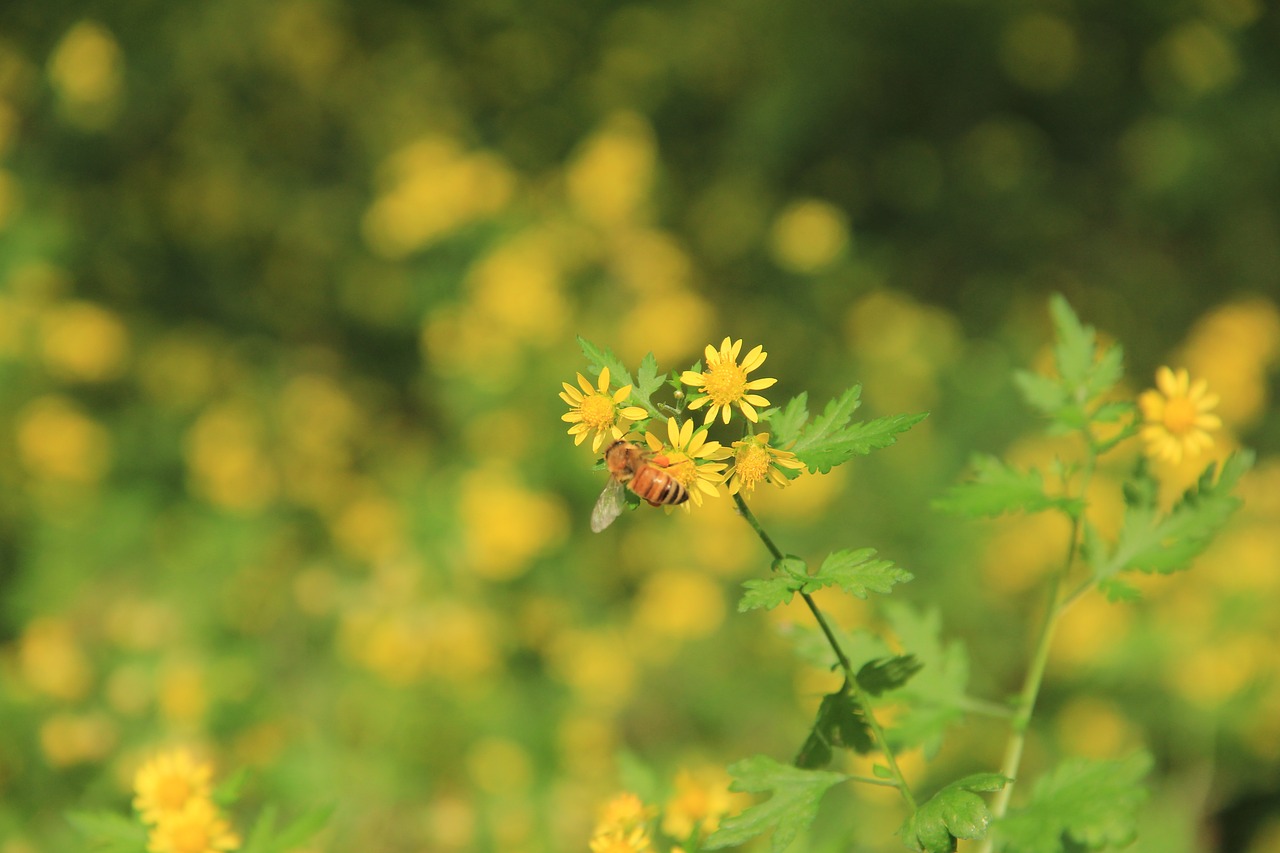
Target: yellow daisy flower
[724,381]
[1176,417]
[195,828]
[621,814]
[594,408]
[166,783]
[635,841]
[754,460]
[699,802]
[691,459]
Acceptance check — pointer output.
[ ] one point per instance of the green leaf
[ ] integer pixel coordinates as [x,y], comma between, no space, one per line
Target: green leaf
[1086,370]
[1118,591]
[786,423]
[1151,542]
[935,697]
[108,832]
[297,833]
[264,827]
[997,488]
[1093,803]
[228,791]
[821,453]
[791,808]
[648,380]
[880,676]
[954,812]
[1042,393]
[840,723]
[857,573]
[601,358]
[791,574]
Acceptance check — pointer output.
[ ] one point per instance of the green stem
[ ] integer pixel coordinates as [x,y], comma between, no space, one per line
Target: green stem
[851,682]
[1024,707]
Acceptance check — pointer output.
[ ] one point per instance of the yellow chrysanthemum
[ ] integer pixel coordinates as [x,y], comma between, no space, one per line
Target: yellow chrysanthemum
[691,459]
[595,409]
[724,381]
[166,783]
[196,828]
[622,814]
[635,841]
[699,802]
[754,460]
[1176,417]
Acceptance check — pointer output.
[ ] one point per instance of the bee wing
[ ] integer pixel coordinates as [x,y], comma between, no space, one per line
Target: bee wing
[609,506]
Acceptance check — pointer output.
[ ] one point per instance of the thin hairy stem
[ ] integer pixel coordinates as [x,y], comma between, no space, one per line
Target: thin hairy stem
[851,683]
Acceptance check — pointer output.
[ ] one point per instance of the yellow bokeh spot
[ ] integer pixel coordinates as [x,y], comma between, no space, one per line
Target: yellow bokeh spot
[183,695]
[56,440]
[668,324]
[505,525]
[141,624]
[130,690]
[650,262]
[370,528]
[1209,675]
[51,660]
[1017,554]
[86,68]
[1233,348]
[1094,728]
[679,605]
[611,176]
[226,460]
[1040,52]
[67,739]
[808,235]
[517,289]
[1195,59]
[499,765]
[450,823]
[904,345]
[1086,631]
[403,643]
[597,665]
[302,36]
[83,342]
[430,189]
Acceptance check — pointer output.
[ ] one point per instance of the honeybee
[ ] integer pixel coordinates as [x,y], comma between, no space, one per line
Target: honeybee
[640,471]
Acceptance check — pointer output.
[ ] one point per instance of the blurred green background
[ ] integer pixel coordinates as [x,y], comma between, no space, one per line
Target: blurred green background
[287,290]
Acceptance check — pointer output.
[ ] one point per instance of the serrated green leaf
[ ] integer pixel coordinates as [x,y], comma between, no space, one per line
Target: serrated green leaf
[935,697]
[786,423]
[822,452]
[997,488]
[840,723]
[1073,350]
[1042,393]
[1094,803]
[600,358]
[1151,542]
[648,380]
[880,676]
[956,811]
[793,805]
[857,573]
[1109,413]
[1086,370]
[767,593]
[109,832]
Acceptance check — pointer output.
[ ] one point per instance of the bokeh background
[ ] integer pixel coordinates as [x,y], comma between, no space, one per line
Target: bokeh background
[287,290]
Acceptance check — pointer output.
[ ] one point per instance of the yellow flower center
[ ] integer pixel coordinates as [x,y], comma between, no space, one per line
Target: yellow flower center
[172,792]
[751,464]
[682,468]
[1179,415]
[725,383]
[598,411]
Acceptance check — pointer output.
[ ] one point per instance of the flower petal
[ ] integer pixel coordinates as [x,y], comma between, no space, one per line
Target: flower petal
[712,356]
[755,400]
[754,359]
[686,433]
[691,378]
[621,394]
[733,352]
[698,402]
[633,413]
[586,386]
[571,417]
[604,380]
[760,384]
[749,411]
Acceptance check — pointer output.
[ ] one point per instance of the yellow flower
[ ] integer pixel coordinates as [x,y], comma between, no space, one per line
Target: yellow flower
[697,805]
[754,460]
[196,828]
[166,783]
[616,841]
[1176,417]
[724,381]
[691,459]
[594,408]
[622,814]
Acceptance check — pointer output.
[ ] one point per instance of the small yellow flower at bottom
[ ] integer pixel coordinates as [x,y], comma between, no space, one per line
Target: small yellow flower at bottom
[596,408]
[691,459]
[1176,417]
[196,828]
[755,461]
[635,841]
[168,782]
[621,814]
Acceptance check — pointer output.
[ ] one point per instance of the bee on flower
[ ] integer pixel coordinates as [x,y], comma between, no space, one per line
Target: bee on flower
[724,382]
[1176,416]
[691,459]
[593,408]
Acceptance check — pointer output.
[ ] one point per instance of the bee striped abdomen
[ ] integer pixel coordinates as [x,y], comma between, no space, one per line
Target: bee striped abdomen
[658,487]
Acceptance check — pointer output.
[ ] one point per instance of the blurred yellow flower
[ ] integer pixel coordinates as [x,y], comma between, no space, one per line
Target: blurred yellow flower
[724,381]
[1176,416]
[195,828]
[598,410]
[691,459]
[754,461]
[51,660]
[83,342]
[699,801]
[635,841]
[168,782]
[623,813]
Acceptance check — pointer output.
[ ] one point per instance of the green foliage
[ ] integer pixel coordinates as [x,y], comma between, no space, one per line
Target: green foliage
[829,439]
[853,571]
[998,488]
[956,811]
[108,832]
[935,698]
[792,806]
[880,676]
[1082,804]
[1151,541]
[840,723]
[599,358]
[266,838]
[648,381]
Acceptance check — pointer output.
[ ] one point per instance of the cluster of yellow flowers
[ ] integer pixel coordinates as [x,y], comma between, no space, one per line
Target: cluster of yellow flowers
[692,813]
[685,453]
[172,796]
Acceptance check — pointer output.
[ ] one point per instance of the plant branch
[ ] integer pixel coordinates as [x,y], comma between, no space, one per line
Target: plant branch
[851,682]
